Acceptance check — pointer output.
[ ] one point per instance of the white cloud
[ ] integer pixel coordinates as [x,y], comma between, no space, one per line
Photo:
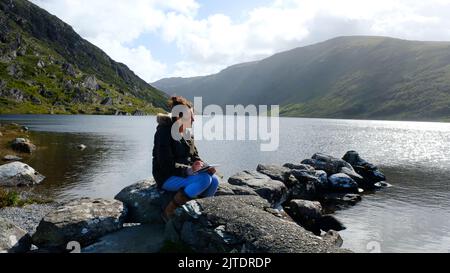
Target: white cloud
[216,42]
[210,44]
[140,59]
[113,24]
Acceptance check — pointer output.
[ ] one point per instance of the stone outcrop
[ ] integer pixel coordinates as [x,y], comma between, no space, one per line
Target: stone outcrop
[144,202]
[13,239]
[241,224]
[275,192]
[82,220]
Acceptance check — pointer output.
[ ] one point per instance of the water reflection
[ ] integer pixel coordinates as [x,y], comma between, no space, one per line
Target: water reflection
[413,216]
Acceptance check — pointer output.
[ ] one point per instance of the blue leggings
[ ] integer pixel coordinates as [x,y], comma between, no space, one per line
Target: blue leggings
[195,186]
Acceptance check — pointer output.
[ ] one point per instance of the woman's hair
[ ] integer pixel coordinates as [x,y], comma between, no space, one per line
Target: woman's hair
[178,100]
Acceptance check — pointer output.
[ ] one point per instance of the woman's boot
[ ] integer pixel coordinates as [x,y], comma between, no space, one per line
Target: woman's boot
[178,200]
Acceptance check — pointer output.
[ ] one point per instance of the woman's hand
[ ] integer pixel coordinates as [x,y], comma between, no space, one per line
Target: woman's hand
[212,171]
[198,165]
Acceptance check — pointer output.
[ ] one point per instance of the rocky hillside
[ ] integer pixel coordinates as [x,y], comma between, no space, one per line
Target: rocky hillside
[348,77]
[46,67]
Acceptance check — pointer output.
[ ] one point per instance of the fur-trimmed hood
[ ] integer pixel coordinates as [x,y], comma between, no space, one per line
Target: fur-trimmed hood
[164,119]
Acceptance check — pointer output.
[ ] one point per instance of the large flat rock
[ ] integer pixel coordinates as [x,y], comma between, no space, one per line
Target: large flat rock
[241,224]
[275,192]
[82,220]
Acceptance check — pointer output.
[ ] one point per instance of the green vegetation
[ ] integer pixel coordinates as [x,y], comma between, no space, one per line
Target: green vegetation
[9,198]
[356,77]
[47,68]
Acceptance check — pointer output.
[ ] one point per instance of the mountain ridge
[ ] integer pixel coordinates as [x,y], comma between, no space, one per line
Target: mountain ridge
[357,77]
[45,66]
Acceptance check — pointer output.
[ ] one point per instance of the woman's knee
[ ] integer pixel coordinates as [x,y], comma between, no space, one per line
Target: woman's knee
[205,180]
[214,181]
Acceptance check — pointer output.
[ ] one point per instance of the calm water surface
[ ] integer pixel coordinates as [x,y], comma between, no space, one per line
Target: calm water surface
[412,216]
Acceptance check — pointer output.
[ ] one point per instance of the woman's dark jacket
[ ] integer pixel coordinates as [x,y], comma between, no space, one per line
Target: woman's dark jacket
[167,152]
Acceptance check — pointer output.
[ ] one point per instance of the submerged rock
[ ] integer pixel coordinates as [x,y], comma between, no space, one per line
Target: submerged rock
[18,174]
[12,158]
[275,192]
[240,224]
[82,220]
[370,173]
[13,239]
[81,147]
[23,145]
[341,199]
[144,202]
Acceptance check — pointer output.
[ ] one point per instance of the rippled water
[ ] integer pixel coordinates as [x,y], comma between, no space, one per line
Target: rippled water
[412,216]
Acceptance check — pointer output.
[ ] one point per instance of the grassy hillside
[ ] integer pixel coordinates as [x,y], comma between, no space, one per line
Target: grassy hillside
[347,77]
[46,67]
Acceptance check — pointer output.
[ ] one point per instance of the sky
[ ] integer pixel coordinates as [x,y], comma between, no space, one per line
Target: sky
[185,38]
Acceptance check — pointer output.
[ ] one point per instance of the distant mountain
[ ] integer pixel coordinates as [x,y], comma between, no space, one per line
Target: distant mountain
[356,77]
[46,67]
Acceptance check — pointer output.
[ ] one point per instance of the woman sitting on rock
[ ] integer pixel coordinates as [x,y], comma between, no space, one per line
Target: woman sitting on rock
[176,161]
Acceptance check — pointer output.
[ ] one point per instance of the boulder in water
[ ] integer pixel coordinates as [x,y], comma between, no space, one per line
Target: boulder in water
[18,174]
[306,213]
[23,145]
[342,183]
[12,158]
[81,147]
[326,163]
[370,173]
[341,199]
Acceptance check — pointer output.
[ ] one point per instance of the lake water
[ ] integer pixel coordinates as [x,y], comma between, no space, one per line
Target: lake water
[412,216]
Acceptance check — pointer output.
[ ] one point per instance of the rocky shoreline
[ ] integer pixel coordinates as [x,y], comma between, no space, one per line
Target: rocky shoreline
[274,209]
